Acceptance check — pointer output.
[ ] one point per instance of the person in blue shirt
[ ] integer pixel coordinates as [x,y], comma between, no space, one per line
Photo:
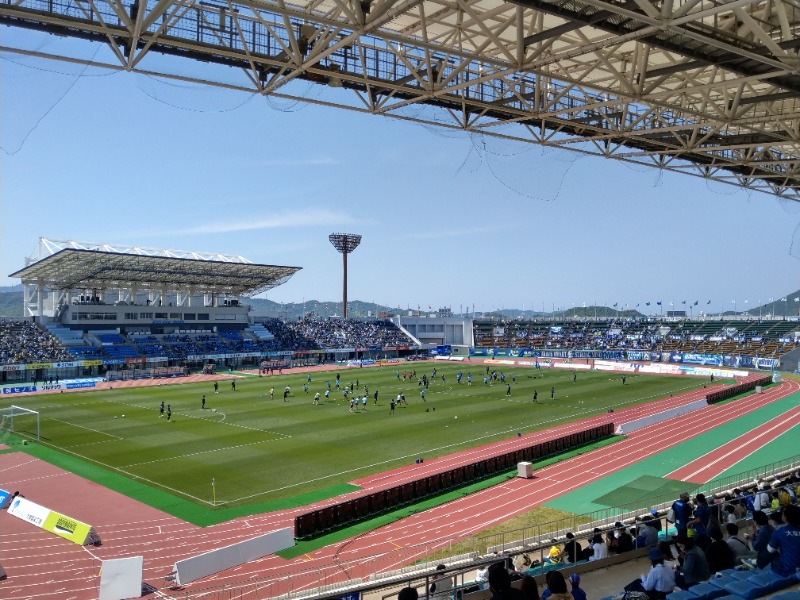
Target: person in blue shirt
[785,541]
[702,516]
[575,582]
[762,533]
[682,511]
[659,582]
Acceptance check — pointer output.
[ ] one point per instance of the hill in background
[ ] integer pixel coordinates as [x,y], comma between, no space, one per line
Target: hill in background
[11,307]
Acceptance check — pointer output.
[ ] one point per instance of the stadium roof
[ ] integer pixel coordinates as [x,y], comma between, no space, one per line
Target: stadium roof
[81,266]
[708,88]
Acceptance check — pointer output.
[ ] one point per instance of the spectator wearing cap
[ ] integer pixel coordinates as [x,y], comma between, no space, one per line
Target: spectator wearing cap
[681,513]
[659,582]
[576,591]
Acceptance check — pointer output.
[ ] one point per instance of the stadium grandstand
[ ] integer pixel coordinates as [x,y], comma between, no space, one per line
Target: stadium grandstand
[118,311]
[125,311]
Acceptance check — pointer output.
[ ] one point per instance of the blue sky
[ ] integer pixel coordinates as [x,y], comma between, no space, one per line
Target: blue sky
[447,219]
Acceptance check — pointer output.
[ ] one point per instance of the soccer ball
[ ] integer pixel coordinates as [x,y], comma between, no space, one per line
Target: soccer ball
[115,417]
[453,417]
[123,416]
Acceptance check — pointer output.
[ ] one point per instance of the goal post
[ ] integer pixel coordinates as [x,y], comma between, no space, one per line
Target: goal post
[18,420]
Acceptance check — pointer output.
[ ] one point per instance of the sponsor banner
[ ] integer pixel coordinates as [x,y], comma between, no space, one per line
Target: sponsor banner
[4,496]
[9,368]
[66,365]
[531,363]
[19,389]
[157,359]
[113,361]
[707,372]
[34,366]
[140,360]
[44,518]
[643,355]
[661,369]
[69,529]
[702,359]
[602,365]
[72,385]
[28,511]
[92,363]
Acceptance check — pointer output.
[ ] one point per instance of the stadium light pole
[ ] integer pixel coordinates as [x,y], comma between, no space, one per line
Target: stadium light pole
[345,243]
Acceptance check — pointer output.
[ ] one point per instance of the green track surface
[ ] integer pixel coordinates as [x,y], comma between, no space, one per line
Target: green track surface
[632,483]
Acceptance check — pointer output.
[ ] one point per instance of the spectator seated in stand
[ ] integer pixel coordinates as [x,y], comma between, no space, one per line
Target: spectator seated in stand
[25,342]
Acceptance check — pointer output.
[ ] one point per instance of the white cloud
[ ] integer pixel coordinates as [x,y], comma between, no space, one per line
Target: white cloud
[303,218]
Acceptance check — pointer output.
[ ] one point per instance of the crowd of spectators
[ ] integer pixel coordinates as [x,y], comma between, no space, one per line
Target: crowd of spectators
[347,333]
[754,529]
[751,338]
[24,341]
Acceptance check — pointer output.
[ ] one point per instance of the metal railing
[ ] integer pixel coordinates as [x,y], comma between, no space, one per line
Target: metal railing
[407,565]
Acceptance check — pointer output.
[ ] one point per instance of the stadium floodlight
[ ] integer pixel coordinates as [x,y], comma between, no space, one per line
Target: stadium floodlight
[8,415]
[344,243]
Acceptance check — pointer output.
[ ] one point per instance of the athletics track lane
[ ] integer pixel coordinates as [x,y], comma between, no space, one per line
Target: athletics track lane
[708,467]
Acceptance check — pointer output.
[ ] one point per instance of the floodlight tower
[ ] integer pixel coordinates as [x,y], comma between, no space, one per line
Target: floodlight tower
[344,243]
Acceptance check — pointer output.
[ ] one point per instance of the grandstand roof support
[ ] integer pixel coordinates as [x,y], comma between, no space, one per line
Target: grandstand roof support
[70,265]
[709,89]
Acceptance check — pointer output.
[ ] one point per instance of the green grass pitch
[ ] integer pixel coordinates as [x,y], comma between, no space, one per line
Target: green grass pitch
[258,449]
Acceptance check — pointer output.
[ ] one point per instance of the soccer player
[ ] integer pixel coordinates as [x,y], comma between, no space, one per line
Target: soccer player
[316,397]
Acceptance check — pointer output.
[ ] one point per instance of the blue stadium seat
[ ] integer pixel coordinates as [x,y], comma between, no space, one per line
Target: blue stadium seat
[741,575]
[746,589]
[795,595]
[707,591]
[682,595]
[726,572]
[722,581]
[770,579]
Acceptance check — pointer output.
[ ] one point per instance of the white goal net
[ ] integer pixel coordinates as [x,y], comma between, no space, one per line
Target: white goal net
[23,422]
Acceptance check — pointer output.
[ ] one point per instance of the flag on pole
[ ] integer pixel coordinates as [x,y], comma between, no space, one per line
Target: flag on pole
[659,302]
[696,302]
[709,302]
[647,304]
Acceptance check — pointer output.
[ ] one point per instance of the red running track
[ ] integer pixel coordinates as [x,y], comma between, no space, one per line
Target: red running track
[706,468]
